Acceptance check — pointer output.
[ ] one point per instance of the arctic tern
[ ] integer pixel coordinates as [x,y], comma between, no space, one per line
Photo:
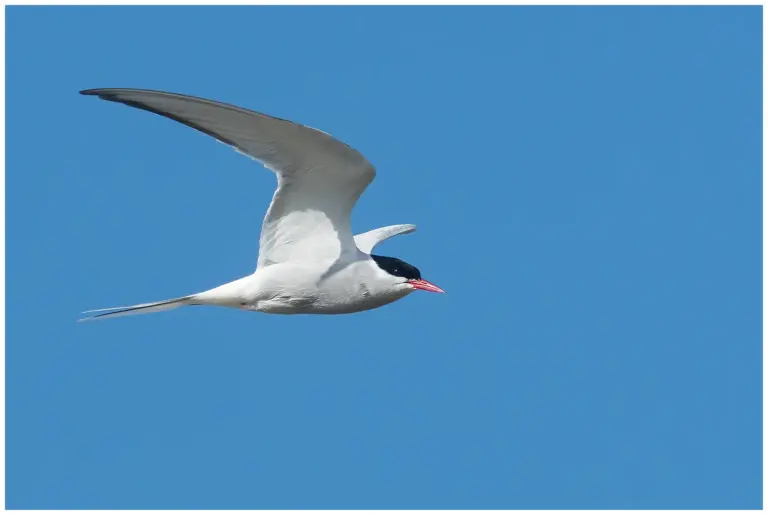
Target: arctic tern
[309,261]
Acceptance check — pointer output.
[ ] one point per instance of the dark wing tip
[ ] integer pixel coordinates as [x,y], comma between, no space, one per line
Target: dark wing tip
[116,95]
[111,94]
[107,92]
[102,93]
[96,92]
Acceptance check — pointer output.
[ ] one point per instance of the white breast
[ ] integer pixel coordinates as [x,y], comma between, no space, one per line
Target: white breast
[296,288]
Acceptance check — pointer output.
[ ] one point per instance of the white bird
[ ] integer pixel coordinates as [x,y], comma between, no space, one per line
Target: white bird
[309,261]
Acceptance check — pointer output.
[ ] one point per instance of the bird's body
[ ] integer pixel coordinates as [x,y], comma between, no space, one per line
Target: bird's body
[295,289]
[309,261]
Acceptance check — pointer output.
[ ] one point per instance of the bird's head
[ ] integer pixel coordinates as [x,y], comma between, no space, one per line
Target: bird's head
[405,273]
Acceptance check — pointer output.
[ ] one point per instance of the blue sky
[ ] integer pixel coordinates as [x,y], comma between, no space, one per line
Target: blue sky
[587,187]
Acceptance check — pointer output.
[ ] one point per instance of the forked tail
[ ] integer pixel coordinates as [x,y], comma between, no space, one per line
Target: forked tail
[138,309]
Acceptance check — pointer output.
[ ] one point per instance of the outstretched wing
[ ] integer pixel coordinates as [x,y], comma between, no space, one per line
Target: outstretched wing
[368,240]
[319,178]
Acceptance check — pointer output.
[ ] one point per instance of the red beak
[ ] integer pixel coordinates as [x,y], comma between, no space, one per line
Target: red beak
[421,284]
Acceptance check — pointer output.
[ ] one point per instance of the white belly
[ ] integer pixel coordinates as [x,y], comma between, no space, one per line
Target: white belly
[292,290]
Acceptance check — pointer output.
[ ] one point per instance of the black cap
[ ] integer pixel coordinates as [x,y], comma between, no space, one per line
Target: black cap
[397,267]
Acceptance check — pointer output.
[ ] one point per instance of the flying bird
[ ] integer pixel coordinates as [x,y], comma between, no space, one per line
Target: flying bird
[309,261]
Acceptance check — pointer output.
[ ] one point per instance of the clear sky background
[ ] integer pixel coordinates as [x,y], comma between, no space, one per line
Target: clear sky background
[587,187]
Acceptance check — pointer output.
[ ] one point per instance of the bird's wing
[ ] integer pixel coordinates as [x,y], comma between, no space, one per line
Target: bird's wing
[368,240]
[319,178]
